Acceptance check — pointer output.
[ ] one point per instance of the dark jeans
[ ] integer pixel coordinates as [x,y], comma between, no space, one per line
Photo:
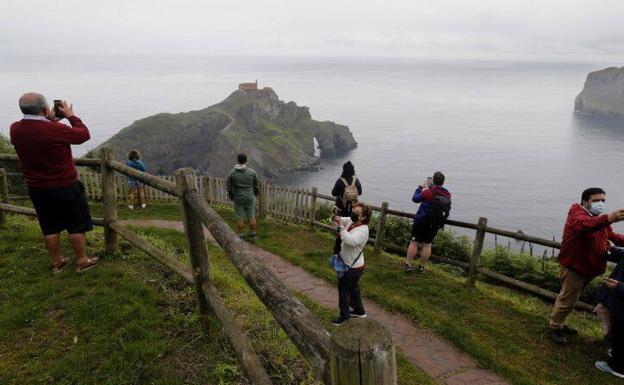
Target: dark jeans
[617,331]
[349,292]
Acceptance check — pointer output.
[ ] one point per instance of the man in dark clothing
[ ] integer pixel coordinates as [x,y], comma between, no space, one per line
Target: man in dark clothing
[583,254]
[423,230]
[44,149]
[344,200]
[611,295]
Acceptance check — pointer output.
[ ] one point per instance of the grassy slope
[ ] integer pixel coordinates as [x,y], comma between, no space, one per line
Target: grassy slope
[129,320]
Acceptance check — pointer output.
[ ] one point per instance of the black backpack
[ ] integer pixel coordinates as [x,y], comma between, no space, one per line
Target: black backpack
[438,212]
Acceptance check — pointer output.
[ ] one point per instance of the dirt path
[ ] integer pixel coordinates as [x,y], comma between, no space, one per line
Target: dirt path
[432,354]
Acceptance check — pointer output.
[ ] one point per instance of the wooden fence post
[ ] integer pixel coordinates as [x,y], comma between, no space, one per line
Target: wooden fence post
[362,352]
[475,259]
[109,200]
[206,192]
[381,226]
[4,193]
[313,206]
[194,229]
[261,200]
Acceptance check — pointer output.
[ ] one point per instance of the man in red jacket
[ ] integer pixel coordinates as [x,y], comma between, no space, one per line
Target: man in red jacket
[44,149]
[583,256]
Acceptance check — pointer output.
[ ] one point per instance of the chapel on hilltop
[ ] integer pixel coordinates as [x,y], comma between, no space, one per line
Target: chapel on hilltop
[248,86]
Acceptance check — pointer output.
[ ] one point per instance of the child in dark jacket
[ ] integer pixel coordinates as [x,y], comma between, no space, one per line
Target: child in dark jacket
[611,296]
[136,188]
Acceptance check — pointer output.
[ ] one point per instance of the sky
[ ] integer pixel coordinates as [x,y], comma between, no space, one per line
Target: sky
[458,29]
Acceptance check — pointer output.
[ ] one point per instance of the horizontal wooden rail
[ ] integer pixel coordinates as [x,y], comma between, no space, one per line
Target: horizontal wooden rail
[302,327]
[523,237]
[246,355]
[148,179]
[88,162]
[32,213]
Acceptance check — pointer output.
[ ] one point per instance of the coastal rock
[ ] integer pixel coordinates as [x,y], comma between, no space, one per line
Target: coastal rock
[278,137]
[603,94]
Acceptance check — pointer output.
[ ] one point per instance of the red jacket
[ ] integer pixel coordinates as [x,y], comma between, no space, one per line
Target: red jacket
[586,240]
[44,150]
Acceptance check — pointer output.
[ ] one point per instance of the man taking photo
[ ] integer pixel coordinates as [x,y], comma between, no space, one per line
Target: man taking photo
[44,149]
[583,254]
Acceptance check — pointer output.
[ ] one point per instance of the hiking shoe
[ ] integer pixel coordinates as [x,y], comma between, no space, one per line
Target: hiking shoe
[358,314]
[568,330]
[339,320]
[604,366]
[143,206]
[408,268]
[557,336]
[420,269]
[252,235]
[131,207]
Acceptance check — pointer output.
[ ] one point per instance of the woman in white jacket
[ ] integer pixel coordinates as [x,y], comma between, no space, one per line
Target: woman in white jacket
[354,236]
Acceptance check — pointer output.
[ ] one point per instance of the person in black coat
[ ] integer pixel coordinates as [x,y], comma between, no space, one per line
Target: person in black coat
[348,174]
[611,296]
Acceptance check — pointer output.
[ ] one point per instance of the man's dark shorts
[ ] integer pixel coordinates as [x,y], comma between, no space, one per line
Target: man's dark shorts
[62,208]
[423,233]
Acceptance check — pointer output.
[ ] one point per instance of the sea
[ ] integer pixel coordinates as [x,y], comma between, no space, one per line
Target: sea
[504,133]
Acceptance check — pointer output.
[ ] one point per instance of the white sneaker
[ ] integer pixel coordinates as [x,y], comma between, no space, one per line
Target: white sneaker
[604,366]
[143,205]
[131,207]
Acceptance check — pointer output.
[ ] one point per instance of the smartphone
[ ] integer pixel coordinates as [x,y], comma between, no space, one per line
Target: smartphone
[57,110]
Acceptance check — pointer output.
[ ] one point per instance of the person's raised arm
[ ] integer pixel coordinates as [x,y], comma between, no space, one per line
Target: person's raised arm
[354,238]
[593,223]
[78,133]
[420,195]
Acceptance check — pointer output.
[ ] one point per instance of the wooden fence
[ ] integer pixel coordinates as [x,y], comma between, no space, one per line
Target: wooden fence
[335,361]
[299,205]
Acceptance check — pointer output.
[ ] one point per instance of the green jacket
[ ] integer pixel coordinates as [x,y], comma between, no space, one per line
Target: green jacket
[242,185]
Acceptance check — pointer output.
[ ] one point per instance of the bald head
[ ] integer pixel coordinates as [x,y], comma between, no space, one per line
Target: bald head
[33,103]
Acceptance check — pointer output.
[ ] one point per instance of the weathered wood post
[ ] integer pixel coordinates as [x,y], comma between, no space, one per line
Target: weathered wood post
[362,352]
[313,206]
[261,199]
[475,259]
[4,193]
[198,251]
[381,226]
[109,200]
[207,189]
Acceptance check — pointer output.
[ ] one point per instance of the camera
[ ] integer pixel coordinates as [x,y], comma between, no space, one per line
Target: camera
[336,211]
[57,111]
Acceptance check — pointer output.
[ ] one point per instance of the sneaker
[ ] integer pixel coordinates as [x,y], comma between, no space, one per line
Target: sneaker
[339,320]
[241,236]
[420,269]
[408,268]
[131,207]
[358,314]
[253,235]
[557,336]
[143,206]
[568,330]
[604,366]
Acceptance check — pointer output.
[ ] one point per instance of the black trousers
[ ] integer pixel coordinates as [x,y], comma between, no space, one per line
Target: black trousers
[617,350]
[349,292]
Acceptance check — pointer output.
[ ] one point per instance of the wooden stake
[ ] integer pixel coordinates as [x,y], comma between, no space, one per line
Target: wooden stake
[109,201]
[475,259]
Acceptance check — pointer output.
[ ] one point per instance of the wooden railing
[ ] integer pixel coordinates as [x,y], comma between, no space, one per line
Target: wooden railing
[334,362]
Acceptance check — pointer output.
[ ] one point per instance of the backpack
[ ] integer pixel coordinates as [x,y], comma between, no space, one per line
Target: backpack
[438,212]
[350,193]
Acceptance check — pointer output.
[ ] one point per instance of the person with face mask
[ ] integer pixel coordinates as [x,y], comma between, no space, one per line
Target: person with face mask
[354,236]
[583,255]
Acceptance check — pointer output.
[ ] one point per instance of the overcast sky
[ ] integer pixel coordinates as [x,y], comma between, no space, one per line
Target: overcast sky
[510,29]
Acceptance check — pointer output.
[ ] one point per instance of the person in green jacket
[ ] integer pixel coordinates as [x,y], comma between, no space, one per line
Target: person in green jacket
[242,188]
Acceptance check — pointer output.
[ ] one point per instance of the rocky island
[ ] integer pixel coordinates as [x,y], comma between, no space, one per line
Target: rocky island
[278,137]
[603,94]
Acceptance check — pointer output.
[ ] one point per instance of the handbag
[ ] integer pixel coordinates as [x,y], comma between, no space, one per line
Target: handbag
[338,264]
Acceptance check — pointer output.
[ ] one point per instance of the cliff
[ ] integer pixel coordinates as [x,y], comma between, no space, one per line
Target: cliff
[277,137]
[603,94]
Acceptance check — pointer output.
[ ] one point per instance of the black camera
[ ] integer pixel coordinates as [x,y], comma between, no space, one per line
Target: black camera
[57,109]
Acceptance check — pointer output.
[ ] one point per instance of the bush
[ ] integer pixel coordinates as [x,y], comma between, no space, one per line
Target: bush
[16,183]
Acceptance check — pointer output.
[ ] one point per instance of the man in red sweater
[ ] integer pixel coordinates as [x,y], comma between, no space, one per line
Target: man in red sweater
[44,149]
[583,256]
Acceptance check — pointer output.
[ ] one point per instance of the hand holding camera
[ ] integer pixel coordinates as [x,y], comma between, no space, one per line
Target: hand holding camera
[62,109]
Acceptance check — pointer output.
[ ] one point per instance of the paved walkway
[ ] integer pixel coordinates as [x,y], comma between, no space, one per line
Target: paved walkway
[432,354]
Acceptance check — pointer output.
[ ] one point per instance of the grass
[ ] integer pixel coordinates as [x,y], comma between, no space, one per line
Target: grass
[130,321]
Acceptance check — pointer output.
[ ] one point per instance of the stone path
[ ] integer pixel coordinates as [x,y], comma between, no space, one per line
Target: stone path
[432,354]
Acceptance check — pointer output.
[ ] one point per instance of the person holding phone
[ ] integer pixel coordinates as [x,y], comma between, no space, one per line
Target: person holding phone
[585,244]
[43,146]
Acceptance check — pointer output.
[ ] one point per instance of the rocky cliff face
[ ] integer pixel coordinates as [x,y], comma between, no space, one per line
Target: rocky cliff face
[278,137]
[603,94]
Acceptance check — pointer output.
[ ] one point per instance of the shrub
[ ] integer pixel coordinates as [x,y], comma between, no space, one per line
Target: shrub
[16,183]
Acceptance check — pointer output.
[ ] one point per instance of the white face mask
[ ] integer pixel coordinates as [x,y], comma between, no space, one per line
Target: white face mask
[597,208]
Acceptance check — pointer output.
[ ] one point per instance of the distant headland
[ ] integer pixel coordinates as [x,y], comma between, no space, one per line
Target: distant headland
[603,94]
[278,137]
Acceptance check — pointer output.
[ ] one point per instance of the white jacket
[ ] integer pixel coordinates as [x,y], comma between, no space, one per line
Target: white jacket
[352,242]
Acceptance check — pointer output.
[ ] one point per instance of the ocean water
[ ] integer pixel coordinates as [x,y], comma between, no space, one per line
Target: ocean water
[504,133]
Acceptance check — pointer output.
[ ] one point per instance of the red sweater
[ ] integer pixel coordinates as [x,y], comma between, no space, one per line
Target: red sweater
[44,150]
[586,241]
